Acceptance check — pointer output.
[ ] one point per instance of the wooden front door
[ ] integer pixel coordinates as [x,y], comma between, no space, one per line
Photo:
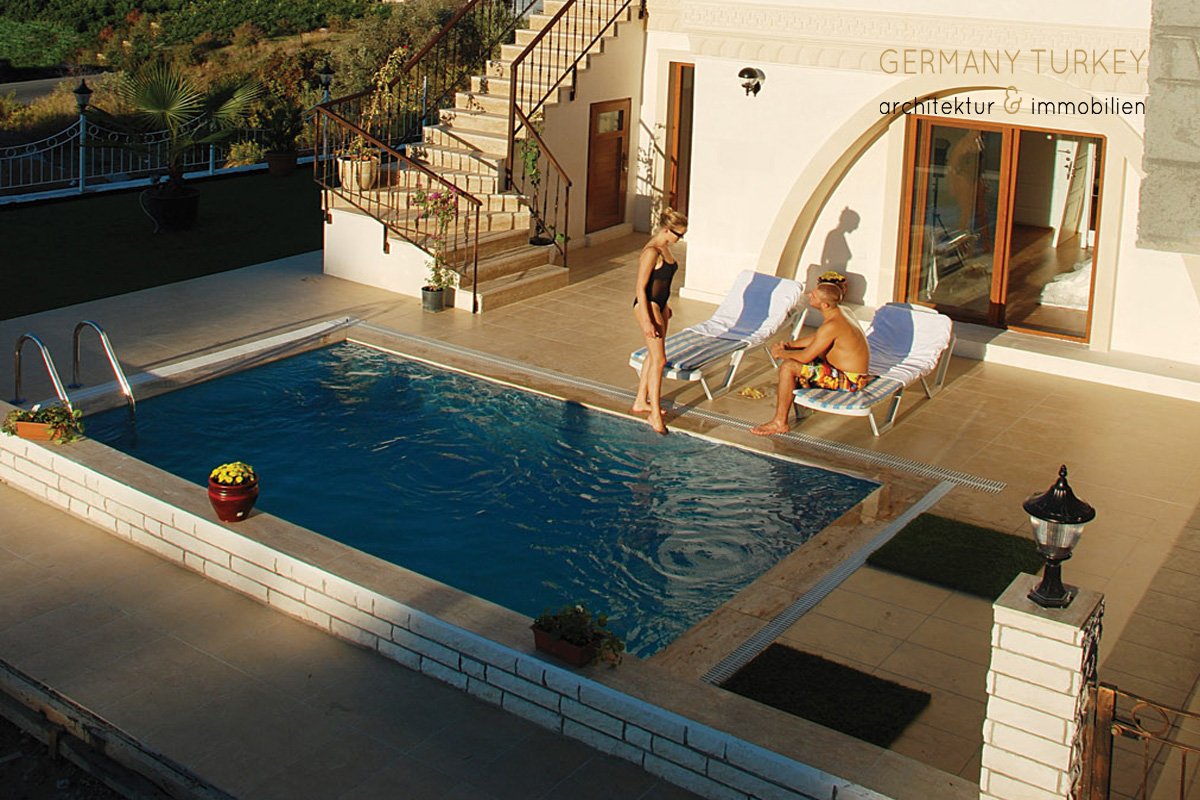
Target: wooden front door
[608,164]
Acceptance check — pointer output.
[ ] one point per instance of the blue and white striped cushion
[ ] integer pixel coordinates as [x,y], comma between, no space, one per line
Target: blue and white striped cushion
[851,403]
[688,350]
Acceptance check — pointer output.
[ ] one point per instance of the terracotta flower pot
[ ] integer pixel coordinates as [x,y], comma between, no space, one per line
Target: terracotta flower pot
[574,654]
[35,431]
[232,503]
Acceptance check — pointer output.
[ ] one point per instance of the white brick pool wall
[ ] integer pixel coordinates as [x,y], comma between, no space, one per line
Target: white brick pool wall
[695,756]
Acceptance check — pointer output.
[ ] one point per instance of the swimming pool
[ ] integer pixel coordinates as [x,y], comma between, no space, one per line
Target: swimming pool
[523,500]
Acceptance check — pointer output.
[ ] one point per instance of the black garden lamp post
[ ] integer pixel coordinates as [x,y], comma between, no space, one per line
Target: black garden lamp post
[1058,517]
[83,95]
[325,76]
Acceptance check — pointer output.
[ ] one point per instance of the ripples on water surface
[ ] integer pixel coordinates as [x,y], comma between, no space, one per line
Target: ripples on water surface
[526,501]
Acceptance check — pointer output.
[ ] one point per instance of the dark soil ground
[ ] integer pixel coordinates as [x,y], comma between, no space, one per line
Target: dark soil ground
[27,772]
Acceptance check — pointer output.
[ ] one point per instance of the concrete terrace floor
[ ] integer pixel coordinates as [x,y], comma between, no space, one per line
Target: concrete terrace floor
[1128,452]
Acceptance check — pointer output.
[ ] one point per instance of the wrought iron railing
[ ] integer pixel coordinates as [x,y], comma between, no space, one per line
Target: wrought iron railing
[549,63]
[87,156]
[1159,743]
[408,198]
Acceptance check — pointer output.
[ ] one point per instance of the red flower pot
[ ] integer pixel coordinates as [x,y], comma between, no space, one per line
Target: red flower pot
[232,503]
[577,655]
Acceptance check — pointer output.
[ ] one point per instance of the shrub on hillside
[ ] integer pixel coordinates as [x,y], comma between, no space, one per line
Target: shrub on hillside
[39,44]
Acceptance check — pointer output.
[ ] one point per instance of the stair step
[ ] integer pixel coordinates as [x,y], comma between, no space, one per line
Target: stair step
[475,183]
[496,82]
[520,259]
[493,243]
[589,23]
[454,157]
[487,103]
[509,52]
[552,7]
[475,121]
[491,145]
[510,289]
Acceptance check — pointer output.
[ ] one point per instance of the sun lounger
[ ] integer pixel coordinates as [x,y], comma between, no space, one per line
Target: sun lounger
[756,307]
[908,343]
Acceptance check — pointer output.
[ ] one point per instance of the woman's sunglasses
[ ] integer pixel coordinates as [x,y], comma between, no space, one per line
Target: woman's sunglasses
[678,235]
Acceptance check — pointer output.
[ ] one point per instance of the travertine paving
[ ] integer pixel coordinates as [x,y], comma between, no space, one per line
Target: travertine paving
[1128,452]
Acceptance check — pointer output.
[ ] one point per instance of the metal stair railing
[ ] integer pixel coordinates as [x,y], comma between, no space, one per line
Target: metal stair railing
[406,197]
[538,72]
[122,381]
[47,360]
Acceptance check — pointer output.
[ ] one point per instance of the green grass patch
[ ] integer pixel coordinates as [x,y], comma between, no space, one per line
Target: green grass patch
[836,696]
[958,555]
[70,251]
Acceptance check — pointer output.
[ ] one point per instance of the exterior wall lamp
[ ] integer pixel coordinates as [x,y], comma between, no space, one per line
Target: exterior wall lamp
[752,79]
[1058,517]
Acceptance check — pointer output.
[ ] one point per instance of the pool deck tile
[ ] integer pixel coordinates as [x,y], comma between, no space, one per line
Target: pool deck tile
[996,421]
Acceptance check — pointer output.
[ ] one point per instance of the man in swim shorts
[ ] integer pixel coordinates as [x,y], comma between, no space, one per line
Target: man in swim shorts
[835,357]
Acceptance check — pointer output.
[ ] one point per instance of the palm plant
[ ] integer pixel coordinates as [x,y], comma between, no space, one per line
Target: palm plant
[165,98]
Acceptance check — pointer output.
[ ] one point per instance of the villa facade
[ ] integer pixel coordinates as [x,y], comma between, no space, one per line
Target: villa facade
[986,161]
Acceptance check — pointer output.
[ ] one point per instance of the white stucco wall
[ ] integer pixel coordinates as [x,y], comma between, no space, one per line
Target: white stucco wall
[354,251]
[614,74]
[1157,308]
[746,151]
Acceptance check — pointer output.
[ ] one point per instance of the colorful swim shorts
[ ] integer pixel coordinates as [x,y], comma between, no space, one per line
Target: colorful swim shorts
[819,375]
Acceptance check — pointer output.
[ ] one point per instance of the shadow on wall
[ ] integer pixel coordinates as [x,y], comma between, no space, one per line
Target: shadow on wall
[836,256]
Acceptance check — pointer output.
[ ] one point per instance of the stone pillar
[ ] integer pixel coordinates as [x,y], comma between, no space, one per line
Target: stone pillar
[1171,190]
[1043,661]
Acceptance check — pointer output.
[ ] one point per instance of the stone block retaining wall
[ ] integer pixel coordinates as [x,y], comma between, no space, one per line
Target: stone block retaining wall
[697,757]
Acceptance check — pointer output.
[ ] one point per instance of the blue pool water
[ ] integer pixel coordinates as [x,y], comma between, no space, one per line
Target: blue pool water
[523,500]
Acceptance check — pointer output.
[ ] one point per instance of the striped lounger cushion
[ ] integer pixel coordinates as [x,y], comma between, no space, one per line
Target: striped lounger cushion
[856,404]
[688,350]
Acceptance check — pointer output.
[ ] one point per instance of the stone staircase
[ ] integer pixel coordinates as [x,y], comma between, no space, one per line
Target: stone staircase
[469,148]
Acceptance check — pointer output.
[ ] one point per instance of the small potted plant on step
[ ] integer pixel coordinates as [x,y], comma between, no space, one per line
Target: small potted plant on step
[439,207]
[577,636]
[58,424]
[232,490]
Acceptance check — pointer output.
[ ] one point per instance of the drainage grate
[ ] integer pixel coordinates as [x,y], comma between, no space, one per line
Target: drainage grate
[859,454]
[747,650]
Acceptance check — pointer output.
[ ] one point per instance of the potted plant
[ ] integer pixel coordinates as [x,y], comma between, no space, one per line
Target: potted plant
[530,157]
[440,207]
[577,636]
[232,490]
[358,161]
[164,97]
[58,424]
[282,122]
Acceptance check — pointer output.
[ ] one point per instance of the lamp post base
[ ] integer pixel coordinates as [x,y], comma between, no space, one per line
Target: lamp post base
[1051,593]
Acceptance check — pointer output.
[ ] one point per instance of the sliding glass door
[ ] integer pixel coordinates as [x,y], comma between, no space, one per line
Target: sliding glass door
[1000,224]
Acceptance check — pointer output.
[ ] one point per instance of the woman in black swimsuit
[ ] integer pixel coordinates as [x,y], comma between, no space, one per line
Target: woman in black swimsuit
[656,268]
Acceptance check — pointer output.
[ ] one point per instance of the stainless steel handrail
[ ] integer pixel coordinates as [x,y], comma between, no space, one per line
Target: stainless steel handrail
[58,386]
[126,389]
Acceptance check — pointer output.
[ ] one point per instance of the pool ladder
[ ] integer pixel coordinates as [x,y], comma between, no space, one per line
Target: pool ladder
[59,390]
